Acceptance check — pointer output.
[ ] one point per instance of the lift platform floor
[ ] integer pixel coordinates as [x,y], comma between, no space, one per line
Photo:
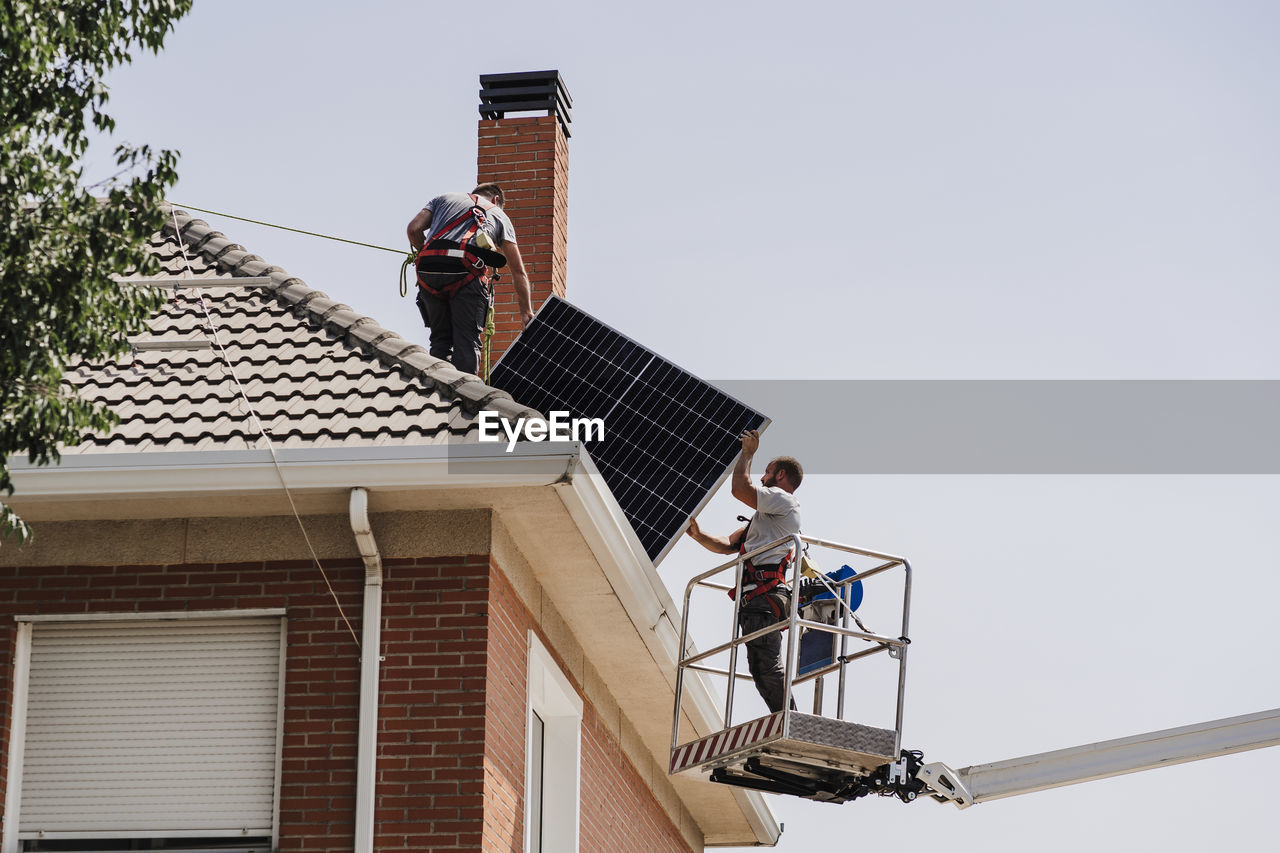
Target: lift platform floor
[801,739]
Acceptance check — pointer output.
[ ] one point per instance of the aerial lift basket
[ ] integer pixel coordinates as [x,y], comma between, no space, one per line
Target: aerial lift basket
[811,755]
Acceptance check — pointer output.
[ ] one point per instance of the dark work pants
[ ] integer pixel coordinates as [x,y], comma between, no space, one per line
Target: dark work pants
[764,654]
[456,324]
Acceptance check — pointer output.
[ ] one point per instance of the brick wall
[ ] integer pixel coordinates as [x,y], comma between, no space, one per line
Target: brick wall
[619,813]
[529,158]
[317,791]
[431,723]
[429,783]
[453,694]
[504,725]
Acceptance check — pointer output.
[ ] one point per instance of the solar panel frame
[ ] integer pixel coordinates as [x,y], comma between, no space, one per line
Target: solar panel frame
[645,400]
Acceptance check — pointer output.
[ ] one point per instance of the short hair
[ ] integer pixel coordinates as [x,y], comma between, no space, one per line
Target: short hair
[491,191]
[791,466]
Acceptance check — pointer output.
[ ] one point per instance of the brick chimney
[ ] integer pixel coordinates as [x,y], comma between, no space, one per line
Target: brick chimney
[528,156]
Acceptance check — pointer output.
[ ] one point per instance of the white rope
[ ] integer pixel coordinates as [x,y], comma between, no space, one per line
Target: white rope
[213,332]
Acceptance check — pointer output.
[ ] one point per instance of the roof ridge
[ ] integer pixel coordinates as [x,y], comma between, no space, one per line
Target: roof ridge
[357,329]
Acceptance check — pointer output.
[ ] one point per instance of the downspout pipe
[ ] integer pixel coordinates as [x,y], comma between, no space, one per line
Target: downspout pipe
[370,657]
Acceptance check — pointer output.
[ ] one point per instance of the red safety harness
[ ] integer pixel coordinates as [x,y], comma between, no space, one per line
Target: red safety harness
[765,578]
[444,266]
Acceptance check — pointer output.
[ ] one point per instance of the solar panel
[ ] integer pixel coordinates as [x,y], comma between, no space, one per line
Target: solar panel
[669,439]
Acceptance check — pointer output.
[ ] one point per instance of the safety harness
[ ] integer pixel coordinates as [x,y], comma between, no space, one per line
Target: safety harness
[445,266]
[765,578]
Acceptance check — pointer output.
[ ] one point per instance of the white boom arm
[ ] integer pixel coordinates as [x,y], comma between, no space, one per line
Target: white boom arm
[1061,767]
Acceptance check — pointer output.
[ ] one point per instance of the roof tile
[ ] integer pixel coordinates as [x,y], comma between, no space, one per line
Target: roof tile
[418,360]
[477,393]
[251,265]
[344,318]
[293,291]
[216,245]
[370,333]
[398,347]
[319,304]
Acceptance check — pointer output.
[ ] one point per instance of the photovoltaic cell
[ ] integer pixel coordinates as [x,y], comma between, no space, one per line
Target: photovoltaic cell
[670,438]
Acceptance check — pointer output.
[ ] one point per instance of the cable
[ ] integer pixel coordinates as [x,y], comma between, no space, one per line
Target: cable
[213,331]
[404,266]
[287,228]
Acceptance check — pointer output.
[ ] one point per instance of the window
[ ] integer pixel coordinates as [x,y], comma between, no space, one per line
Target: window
[158,733]
[537,740]
[552,756]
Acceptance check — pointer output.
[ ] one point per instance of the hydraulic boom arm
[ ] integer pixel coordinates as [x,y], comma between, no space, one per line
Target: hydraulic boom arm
[1061,767]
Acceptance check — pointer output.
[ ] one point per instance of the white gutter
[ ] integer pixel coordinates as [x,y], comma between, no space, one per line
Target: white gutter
[563,464]
[370,657]
[240,472]
[9,842]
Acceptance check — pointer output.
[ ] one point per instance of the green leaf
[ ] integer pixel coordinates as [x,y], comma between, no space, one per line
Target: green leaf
[59,242]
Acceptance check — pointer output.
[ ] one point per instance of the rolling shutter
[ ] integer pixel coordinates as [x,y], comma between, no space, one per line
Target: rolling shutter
[156,728]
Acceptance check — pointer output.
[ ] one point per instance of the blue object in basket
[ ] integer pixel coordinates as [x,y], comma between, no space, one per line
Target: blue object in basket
[818,648]
[852,592]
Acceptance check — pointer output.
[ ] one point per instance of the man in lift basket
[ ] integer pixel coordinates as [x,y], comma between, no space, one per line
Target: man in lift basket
[765,595]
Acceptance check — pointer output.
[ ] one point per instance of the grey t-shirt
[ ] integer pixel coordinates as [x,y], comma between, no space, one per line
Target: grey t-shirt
[777,515]
[448,207]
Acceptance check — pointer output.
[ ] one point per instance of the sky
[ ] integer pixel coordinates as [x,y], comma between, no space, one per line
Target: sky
[942,191]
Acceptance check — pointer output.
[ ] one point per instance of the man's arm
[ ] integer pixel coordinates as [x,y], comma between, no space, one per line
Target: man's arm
[740,482]
[418,229]
[718,544]
[521,281]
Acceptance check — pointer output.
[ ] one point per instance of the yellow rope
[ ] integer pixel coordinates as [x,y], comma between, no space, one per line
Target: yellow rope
[488,341]
[404,273]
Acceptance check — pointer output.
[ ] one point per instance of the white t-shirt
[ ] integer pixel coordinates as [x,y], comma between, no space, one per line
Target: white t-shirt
[445,208]
[777,515]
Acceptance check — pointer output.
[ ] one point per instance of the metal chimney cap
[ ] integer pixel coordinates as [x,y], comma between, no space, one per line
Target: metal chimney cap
[525,91]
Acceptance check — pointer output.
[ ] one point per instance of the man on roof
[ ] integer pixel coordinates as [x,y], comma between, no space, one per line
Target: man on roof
[461,240]
[765,595]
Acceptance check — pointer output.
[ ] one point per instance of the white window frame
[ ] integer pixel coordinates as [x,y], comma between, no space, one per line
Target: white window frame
[9,835]
[554,700]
